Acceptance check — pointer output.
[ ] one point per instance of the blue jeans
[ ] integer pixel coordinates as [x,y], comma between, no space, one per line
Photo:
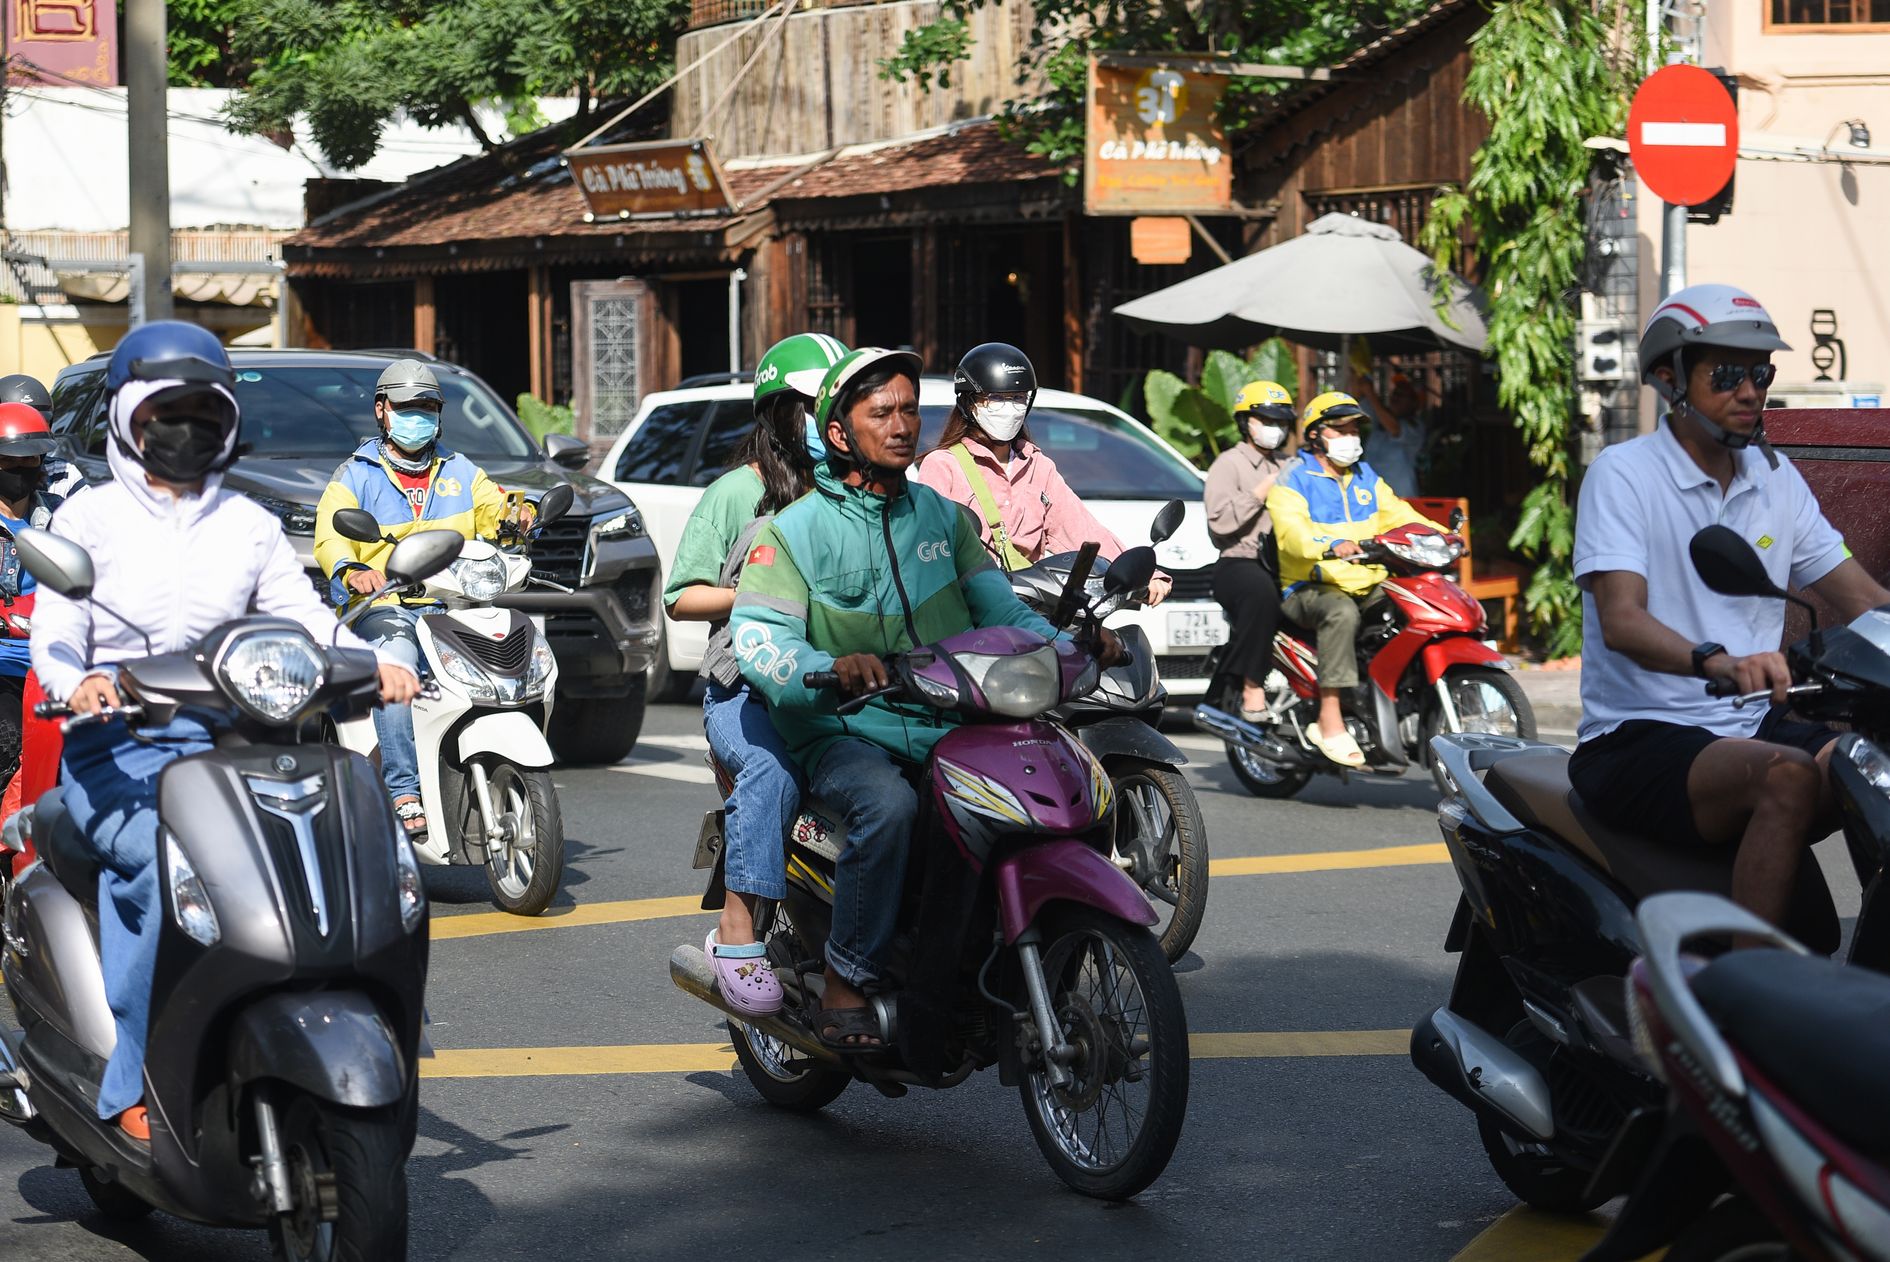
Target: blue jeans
[860,782]
[393,724]
[111,792]
[767,793]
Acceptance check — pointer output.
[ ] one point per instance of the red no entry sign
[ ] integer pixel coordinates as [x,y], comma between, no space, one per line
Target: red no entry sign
[1683,132]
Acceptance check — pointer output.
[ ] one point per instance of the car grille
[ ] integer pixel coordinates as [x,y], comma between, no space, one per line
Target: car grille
[558,552]
[1183,665]
[1193,584]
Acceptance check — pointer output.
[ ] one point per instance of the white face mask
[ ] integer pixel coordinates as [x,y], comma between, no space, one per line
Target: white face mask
[1266,437]
[1000,418]
[1344,449]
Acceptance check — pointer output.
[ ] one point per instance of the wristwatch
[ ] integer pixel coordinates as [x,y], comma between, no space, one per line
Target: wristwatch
[1703,651]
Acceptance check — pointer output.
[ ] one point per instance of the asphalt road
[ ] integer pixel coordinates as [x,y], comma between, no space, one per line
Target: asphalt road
[582,1108]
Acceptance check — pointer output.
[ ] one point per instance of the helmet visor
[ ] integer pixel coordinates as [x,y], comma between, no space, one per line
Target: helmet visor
[27,445]
[411,393]
[189,402]
[1278,413]
[188,368]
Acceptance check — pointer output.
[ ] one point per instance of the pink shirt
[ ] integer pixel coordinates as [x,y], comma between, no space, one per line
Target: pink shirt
[1041,513]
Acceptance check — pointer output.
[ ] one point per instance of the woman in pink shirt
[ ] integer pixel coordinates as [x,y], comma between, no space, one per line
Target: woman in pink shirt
[986,461]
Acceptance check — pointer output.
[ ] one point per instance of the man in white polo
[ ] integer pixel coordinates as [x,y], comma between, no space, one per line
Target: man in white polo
[1657,756]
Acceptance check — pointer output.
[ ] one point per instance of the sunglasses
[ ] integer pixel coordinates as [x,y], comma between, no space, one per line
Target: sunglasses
[1725,378]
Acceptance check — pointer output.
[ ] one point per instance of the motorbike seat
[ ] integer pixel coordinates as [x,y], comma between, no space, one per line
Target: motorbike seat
[1820,1030]
[62,847]
[1535,789]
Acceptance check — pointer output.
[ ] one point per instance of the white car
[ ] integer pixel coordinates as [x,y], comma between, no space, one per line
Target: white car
[681,440]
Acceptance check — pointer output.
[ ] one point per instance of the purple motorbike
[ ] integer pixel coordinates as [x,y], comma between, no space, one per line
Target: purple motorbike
[1021,945]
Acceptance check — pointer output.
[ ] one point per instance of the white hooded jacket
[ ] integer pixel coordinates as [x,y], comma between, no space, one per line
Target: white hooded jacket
[175,567]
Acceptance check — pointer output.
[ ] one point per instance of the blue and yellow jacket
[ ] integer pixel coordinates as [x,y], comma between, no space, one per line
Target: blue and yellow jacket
[1312,510]
[459,497]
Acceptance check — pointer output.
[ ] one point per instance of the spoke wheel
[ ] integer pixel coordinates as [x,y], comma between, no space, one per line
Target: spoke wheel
[778,1072]
[524,869]
[1487,700]
[1110,1130]
[1161,841]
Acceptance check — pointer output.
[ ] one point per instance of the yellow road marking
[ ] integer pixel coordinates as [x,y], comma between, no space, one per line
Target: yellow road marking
[680,1058]
[1330,860]
[1527,1235]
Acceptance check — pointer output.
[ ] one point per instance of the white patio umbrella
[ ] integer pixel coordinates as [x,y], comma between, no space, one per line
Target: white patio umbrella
[1344,276]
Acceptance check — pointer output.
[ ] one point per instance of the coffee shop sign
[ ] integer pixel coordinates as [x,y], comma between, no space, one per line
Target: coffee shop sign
[1159,151]
[659,178]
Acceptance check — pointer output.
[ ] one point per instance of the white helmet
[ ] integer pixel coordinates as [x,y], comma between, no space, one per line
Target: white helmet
[1706,315]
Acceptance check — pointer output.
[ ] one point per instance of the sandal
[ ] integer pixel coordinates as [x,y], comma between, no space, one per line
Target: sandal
[848,1029]
[136,1123]
[1339,747]
[412,816]
[744,977]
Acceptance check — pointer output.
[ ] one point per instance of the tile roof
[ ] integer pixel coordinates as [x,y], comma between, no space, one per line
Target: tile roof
[972,154]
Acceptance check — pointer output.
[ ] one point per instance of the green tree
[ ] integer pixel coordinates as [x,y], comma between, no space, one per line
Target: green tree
[1198,420]
[1548,74]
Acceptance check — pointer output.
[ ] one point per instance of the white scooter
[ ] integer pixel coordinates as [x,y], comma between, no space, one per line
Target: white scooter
[479,729]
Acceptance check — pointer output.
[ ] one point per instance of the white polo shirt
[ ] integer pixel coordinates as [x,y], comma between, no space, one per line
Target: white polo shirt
[1641,504]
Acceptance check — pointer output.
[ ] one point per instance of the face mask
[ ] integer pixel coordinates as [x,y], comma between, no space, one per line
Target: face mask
[816,446]
[1265,436]
[1344,449]
[17,484]
[414,429]
[180,449]
[1001,419]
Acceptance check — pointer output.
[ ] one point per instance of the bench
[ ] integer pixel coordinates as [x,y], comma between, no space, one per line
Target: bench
[1501,582]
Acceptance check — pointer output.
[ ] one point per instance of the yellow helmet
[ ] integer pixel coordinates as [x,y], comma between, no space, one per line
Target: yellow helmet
[1333,405]
[1267,400]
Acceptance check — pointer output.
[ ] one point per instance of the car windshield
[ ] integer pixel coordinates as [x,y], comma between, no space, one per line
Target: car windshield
[1101,456]
[325,411]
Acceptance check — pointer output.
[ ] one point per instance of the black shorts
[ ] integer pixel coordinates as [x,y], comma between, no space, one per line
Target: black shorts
[1635,777]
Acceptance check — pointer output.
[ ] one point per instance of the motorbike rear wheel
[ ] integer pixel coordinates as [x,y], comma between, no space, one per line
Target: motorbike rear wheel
[114,1199]
[1110,1131]
[1261,778]
[1487,700]
[348,1177]
[1732,1231]
[1160,830]
[778,1073]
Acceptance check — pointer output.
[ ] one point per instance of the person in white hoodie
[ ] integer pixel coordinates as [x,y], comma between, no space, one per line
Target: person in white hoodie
[175,554]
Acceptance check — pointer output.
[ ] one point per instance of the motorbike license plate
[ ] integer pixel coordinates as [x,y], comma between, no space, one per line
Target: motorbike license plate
[1196,628]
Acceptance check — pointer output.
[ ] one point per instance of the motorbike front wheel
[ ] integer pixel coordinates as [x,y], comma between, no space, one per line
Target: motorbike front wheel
[1109,1131]
[348,1181]
[1487,700]
[1732,1231]
[523,875]
[1161,835]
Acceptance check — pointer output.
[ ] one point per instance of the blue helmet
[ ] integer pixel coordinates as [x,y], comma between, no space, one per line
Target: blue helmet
[170,350]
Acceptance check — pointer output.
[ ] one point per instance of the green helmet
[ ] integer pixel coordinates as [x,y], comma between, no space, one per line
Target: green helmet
[852,365]
[796,363]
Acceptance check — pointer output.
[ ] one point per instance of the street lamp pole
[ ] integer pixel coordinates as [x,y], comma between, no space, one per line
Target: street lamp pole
[147,124]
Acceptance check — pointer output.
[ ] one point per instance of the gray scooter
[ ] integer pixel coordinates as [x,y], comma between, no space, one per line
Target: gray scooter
[280,1067]
[1161,838]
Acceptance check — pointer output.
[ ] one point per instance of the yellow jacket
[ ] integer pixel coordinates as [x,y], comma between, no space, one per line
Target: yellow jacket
[459,497]
[1312,510]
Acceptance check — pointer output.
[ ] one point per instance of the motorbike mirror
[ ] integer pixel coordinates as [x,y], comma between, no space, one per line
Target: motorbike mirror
[55,562]
[567,452]
[1166,522]
[556,502]
[1728,565]
[1456,519]
[422,555]
[1129,572]
[357,524]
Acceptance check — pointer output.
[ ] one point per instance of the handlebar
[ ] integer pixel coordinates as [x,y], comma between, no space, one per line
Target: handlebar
[1725,687]
[821,679]
[104,714]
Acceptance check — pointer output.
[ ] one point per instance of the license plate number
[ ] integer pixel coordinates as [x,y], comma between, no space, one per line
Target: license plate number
[1196,628]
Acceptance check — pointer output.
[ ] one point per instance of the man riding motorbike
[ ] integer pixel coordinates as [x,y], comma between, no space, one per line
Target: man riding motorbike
[1657,755]
[25,441]
[409,483]
[870,563]
[61,477]
[175,554]
[1246,578]
[1327,501]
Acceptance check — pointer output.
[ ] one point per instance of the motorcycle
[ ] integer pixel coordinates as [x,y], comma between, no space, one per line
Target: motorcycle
[1423,670]
[485,765]
[1774,1143]
[1161,837]
[280,1068]
[1536,1037]
[1022,945]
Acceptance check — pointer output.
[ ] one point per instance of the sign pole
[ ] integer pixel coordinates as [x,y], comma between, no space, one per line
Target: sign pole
[150,176]
[1673,249]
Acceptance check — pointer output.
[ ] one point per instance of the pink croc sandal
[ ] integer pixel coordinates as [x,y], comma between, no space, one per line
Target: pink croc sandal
[744,976]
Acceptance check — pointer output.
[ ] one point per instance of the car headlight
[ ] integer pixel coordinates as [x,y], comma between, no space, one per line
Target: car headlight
[273,674]
[1017,685]
[413,899]
[190,901]
[625,525]
[480,579]
[543,662]
[297,519]
[465,672]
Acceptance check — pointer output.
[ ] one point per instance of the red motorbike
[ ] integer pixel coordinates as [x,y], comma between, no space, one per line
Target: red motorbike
[1424,669]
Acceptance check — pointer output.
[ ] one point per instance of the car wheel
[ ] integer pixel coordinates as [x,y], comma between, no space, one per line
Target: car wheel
[597,731]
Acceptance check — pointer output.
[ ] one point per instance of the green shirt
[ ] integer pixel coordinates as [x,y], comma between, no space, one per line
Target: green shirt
[723,513]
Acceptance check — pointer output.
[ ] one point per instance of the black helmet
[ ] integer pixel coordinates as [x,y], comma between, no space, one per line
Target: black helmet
[20,388]
[994,368]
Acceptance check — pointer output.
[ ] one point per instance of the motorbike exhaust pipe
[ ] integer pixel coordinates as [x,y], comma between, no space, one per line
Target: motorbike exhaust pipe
[1480,1070]
[1234,730]
[692,974]
[14,1105]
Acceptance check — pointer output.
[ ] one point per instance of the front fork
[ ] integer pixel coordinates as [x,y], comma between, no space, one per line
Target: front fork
[498,833]
[1057,1054]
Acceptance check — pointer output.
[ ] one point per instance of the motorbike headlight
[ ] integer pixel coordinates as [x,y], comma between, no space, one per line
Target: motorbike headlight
[625,525]
[1017,685]
[190,901]
[465,672]
[1871,763]
[413,899]
[542,665]
[936,692]
[271,674]
[1430,551]
[480,579]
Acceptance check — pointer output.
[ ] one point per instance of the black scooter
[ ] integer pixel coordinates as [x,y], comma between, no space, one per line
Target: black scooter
[1161,837]
[1536,1038]
[280,1068]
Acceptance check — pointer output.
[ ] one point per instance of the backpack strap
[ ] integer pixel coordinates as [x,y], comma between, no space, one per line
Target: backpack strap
[1008,556]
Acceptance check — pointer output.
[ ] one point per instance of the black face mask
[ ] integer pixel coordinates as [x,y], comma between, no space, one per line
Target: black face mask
[181,449]
[17,484]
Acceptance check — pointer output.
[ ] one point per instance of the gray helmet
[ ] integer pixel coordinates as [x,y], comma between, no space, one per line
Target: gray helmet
[408,380]
[1704,315]
[20,388]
